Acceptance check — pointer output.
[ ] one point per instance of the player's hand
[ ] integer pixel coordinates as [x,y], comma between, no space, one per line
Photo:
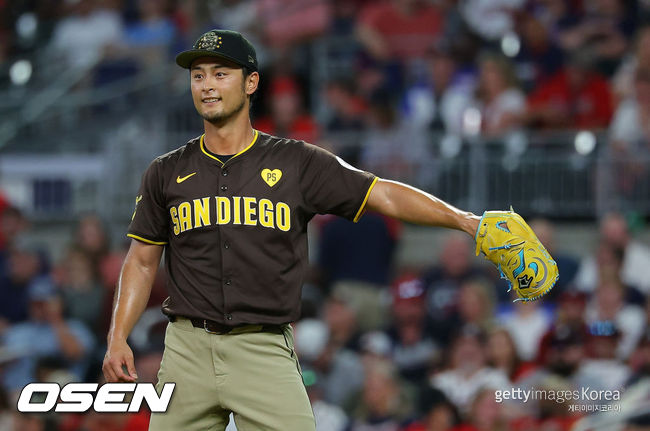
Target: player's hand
[118,357]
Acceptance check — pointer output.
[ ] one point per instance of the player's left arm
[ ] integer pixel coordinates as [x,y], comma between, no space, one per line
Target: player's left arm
[504,237]
[412,205]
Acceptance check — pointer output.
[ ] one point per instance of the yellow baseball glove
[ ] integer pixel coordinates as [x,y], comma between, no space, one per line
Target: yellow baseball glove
[508,242]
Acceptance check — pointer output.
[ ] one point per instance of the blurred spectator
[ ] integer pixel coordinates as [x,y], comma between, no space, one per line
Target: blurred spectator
[604,29]
[83,36]
[564,350]
[502,355]
[399,29]
[111,265]
[341,319]
[392,148]
[577,97]
[609,263]
[83,295]
[243,16]
[467,371]
[539,57]
[491,19]
[439,414]
[601,370]
[629,147]
[355,263]
[497,96]
[567,265]
[152,35]
[442,283]
[91,238]
[46,333]
[527,322]
[640,359]
[556,15]
[623,82]
[384,403]
[287,118]
[608,304]
[328,416]
[12,224]
[289,22]
[437,99]
[485,414]
[26,264]
[614,232]
[361,251]
[629,131]
[345,107]
[568,327]
[338,370]
[476,304]
[414,350]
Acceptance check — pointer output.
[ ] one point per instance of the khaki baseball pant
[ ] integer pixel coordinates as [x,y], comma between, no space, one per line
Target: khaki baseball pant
[254,375]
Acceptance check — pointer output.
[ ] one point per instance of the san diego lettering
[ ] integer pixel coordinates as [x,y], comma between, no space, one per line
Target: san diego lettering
[236,210]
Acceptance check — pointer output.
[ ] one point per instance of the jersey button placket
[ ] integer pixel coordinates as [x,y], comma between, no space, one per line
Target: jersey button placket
[225,266]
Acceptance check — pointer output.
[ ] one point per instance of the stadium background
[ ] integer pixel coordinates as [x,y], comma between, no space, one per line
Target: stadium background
[539,104]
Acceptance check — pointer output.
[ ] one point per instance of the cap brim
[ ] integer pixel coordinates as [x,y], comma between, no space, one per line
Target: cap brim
[185,58]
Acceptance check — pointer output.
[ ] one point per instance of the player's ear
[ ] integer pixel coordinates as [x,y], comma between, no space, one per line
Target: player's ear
[252,80]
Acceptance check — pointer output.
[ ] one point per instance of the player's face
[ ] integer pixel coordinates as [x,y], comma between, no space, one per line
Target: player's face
[218,89]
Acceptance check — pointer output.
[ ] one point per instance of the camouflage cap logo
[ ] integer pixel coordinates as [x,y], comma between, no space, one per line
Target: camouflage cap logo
[209,41]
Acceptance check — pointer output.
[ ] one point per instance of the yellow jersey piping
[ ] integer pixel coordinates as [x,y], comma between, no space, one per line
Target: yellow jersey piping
[365,200]
[238,154]
[148,241]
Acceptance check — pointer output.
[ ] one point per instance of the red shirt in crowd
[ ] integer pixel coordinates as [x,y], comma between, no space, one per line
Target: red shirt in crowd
[588,105]
[406,35]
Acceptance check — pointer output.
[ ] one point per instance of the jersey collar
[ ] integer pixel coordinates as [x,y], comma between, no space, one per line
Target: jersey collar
[202,145]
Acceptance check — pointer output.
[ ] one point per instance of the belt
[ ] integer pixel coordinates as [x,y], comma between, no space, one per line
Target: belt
[212,327]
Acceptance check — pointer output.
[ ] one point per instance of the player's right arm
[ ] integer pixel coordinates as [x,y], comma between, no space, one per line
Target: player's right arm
[131,297]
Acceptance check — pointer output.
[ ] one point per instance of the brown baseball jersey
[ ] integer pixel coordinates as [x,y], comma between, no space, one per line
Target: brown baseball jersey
[235,232]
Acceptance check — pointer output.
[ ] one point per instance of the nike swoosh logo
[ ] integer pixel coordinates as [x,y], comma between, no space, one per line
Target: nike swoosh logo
[180,180]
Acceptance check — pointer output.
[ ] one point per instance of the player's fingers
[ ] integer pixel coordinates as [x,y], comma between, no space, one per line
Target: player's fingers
[120,375]
[130,368]
[109,375]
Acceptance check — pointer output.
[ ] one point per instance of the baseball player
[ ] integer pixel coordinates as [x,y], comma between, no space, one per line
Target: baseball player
[230,210]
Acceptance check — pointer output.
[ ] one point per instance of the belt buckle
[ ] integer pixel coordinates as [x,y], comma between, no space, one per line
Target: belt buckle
[205,326]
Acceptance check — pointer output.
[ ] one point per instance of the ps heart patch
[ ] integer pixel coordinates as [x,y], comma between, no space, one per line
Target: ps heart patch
[271,177]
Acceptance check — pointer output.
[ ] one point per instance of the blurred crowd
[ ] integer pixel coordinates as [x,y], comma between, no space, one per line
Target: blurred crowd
[382,348]
[391,69]
[375,80]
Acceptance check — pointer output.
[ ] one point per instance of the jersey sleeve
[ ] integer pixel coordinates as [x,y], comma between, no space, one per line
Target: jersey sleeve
[329,185]
[149,222]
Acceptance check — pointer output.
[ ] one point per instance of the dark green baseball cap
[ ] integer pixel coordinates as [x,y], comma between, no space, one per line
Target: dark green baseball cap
[221,43]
